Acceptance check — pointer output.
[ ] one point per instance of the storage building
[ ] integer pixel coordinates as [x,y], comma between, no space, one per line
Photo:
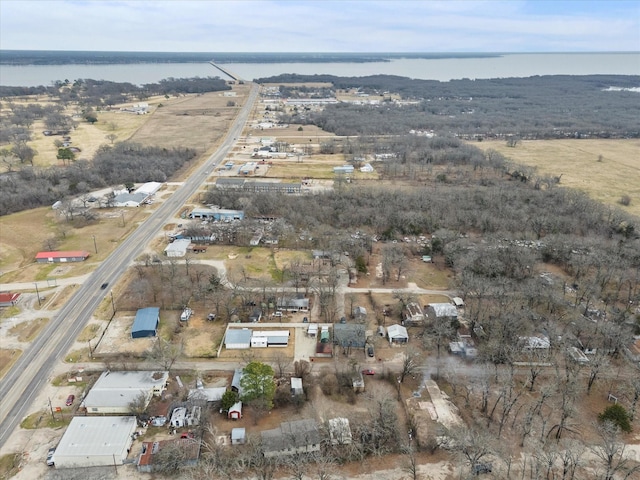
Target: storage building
[237,338]
[146,323]
[95,441]
[113,392]
[62,257]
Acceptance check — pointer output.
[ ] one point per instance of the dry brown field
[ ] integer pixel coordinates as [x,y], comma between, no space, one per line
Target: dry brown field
[24,235]
[604,169]
[193,121]
[7,358]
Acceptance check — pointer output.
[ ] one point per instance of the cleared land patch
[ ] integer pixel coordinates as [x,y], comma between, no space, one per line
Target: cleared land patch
[604,169]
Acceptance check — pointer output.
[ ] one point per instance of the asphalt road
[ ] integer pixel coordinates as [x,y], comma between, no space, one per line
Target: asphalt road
[22,383]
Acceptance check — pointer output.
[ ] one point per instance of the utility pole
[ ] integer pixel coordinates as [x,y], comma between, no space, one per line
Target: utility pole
[51,408]
[113,303]
[95,245]
[38,295]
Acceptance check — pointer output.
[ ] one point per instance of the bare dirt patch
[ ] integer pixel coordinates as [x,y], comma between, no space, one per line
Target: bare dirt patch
[117,338]
[28,330]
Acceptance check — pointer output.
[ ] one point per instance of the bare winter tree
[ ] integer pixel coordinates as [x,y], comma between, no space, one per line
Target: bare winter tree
[410,364]
[612,452]
[472,444]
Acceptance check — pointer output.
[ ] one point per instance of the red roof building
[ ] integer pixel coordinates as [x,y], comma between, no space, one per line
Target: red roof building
[9,299]
[62,257]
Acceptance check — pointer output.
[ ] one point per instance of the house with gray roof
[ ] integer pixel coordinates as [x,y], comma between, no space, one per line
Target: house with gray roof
[291,438]
[349,335]
[441,311]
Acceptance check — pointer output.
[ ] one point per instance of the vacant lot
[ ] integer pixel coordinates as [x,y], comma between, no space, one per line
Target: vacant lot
[27,331]
[604,169]
[7,358]
[194,121]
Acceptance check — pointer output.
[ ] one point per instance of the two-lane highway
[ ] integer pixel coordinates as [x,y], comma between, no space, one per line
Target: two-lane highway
[22,383]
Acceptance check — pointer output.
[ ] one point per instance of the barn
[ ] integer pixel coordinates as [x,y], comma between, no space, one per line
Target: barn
[95,441]
[146,323]
[62,257]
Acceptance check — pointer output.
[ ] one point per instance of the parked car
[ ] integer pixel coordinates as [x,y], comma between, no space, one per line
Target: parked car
[480,468]
[70,400]
[370,351]
[343,320]
[50,461]
[305,320]
[368,371]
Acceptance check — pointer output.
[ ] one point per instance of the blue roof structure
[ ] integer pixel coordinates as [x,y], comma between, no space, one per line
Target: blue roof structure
[146,322]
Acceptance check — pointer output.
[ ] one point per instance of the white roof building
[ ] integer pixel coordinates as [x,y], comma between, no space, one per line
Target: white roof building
[397,334]
[211,394]
[113,392]
[177,248]
[149,188]
[441,310]
[95,441]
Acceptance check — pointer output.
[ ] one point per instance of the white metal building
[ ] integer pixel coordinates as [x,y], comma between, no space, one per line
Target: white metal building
[113,392]
[177,248]
[95,441]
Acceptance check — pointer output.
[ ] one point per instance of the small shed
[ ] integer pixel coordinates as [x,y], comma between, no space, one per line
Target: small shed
[359,313]
[313,330]
[235,412]
[458,302]
[235,381]
[296,386]
[397,334]
[238,436]
[146,323]
[237,338]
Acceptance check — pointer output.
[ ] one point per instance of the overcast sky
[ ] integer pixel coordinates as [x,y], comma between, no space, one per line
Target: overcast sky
[321,25]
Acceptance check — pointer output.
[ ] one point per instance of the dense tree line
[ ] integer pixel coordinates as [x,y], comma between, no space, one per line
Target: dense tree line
[113,165]
[534,107]
[50,57]
[104,92]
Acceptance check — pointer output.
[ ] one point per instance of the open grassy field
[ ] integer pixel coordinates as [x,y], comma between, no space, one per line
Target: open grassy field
[25,233]
[194,121]
[604,169]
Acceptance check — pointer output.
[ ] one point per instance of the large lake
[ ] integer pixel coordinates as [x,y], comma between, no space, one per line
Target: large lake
[507,65]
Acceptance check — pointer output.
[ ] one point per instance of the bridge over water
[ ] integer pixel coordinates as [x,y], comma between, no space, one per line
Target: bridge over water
[228,73]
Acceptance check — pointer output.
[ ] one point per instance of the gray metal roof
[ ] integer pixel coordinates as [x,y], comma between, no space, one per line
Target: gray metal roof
[119,389]
[146,319]
[235,335]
